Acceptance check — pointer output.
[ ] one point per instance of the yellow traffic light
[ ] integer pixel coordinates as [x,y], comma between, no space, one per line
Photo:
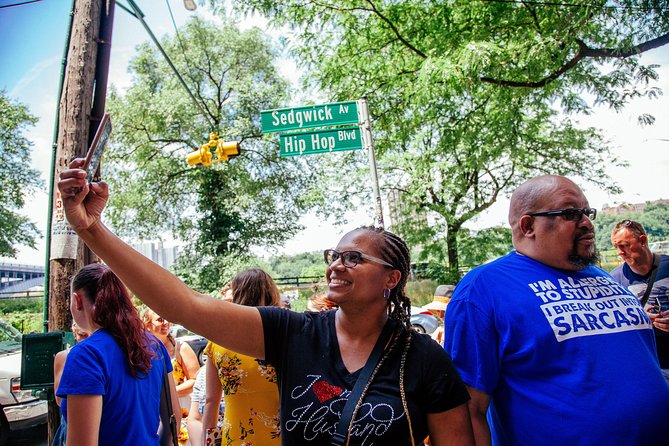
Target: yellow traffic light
[200,156]
[224,151]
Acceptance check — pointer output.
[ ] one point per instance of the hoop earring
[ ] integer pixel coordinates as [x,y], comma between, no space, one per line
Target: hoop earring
[386,293]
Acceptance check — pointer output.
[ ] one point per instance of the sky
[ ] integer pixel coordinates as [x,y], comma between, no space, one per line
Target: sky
[32,39]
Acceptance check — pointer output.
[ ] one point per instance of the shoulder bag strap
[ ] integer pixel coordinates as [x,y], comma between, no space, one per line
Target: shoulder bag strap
[651,279]
[166,401]
[340,436]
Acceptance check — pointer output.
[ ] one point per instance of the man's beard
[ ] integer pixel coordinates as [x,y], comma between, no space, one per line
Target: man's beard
[577,260]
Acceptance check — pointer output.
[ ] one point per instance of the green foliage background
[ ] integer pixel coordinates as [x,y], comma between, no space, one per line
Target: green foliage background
[17,179]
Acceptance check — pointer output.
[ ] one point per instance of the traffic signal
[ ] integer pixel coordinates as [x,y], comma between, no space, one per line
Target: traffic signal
[200,156]
[224,151]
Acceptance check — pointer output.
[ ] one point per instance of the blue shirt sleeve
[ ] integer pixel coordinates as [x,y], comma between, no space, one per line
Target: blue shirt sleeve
[471,339]
[83,373]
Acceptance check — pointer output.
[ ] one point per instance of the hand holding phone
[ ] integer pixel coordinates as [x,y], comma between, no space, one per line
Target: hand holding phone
[94,154]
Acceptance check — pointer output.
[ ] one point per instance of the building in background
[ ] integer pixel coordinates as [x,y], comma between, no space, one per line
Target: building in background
[625,208]
[157,252]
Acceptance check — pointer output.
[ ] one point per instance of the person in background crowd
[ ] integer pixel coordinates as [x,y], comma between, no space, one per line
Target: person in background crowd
[554,351]
[442,295]
[111,383]
[640,264]
[413,390]
[58,364]
[251,394]
[320,302]
[185,365]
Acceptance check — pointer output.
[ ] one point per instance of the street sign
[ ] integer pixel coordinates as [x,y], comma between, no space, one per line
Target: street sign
[310,116]
[307,143]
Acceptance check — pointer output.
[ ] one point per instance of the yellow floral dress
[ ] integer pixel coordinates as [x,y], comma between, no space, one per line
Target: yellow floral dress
[251,398]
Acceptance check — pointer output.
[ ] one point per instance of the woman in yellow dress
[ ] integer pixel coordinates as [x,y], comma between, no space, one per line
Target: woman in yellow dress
[249,385]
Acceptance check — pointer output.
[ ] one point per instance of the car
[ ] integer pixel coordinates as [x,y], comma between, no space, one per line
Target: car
[196,342]
[19,409]
[423,321]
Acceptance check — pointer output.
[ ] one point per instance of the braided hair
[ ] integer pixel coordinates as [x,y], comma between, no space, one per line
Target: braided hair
[394,251]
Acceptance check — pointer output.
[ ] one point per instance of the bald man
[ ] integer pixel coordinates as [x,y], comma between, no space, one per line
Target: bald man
[552,349]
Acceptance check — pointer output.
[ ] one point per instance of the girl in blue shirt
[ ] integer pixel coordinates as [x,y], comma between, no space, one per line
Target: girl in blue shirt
[112,381]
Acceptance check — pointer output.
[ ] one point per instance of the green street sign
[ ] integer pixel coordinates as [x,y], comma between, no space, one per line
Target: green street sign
[310,116]
[307,143]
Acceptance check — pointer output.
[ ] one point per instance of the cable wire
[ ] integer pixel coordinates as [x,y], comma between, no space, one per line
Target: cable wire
[176,30]
[137,13]
[576,5]
[20,4]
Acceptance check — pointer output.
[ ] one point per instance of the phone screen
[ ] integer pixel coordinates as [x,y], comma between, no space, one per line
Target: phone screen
[94,154]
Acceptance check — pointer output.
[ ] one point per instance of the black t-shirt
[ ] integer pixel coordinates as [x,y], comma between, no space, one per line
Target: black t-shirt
[314,383]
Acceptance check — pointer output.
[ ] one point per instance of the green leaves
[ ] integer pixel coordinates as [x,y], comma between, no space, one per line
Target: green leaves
[471,98]
[225,210]
[17,179]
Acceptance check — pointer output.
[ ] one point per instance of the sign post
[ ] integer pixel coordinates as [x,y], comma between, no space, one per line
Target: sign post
[366,129]
[325,140]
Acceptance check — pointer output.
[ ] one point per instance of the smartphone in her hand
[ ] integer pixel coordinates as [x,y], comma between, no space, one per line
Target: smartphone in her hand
[94,154]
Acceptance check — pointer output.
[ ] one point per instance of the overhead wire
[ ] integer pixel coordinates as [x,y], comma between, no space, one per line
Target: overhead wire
[137,13]
[176,30]
[577,5]
[27,2]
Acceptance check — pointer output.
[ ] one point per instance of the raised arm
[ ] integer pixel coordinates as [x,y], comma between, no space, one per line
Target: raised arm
[233,326]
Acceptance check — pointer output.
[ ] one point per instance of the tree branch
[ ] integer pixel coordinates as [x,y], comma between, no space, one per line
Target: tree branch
[396,31]
[583,52]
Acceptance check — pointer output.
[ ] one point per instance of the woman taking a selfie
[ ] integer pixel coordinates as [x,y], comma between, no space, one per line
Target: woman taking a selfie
[407,390]
[111,384]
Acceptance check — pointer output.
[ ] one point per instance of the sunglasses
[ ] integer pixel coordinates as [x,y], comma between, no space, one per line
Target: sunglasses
[571,214]
[350,258]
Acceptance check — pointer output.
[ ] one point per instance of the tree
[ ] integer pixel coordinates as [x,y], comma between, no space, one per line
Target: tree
[471,98]
[17,179]
[224,210]
[654,218]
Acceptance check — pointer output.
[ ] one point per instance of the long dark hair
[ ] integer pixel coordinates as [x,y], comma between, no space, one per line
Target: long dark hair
[113,311]
[255,288]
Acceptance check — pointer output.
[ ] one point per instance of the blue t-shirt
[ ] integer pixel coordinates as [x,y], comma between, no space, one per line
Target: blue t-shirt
[568,358]
[659,294]
[130,406]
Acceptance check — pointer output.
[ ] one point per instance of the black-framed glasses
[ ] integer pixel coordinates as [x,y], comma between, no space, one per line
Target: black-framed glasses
[571,214]
[351,258]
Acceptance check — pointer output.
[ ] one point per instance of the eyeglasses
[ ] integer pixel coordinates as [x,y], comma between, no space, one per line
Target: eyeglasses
[631,225]
[571,214]
[350,258]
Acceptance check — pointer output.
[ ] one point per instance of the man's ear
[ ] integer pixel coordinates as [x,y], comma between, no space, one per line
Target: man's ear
[643,239]
[526,225]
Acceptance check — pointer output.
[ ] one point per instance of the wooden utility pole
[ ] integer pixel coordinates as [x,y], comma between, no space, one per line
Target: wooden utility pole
[85,84]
